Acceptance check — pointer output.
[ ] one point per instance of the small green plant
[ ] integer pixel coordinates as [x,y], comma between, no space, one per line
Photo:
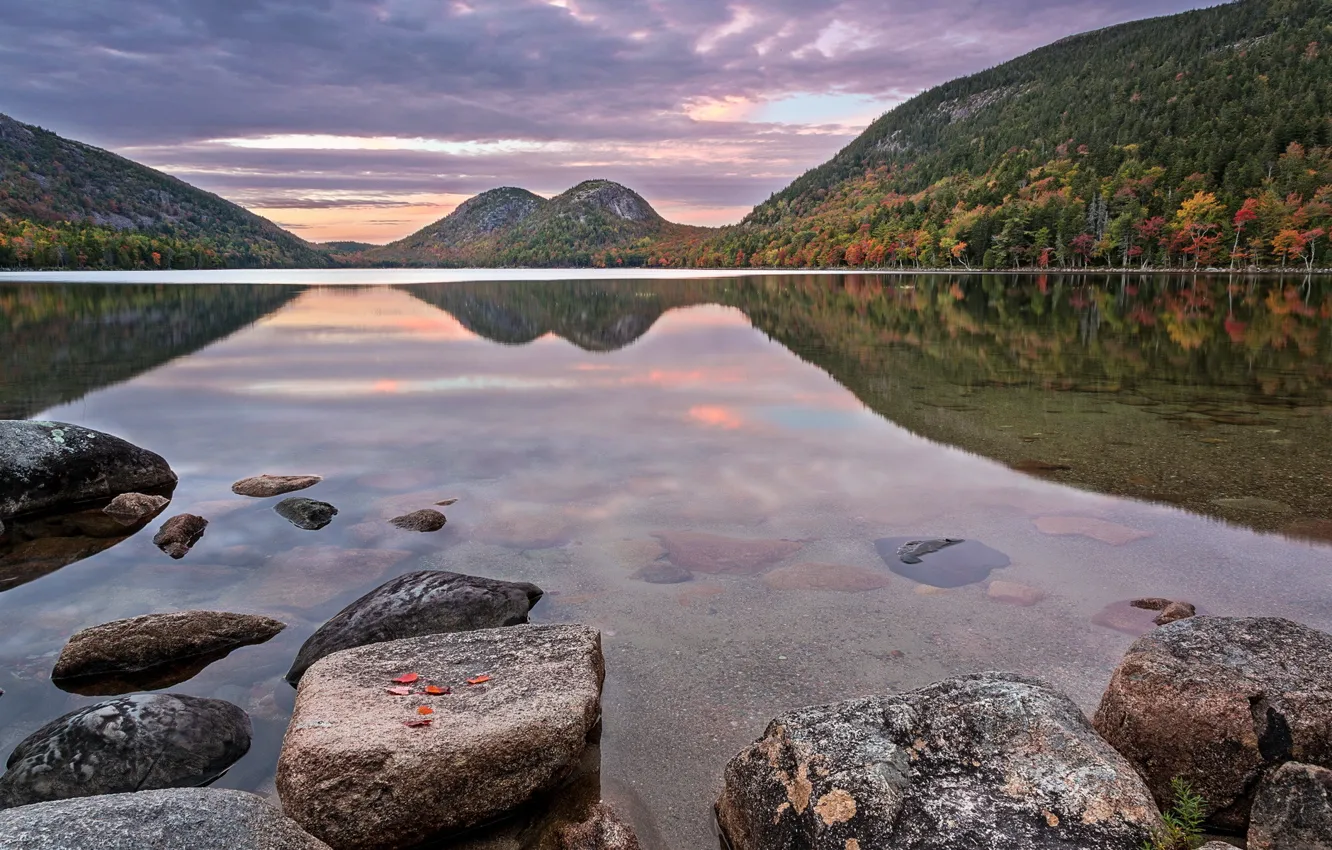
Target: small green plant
[1182,824]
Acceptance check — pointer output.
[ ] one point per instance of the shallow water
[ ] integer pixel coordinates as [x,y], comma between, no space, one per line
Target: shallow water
[1174,432]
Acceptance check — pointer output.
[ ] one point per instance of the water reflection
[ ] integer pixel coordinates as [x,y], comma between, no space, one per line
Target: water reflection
[655,425]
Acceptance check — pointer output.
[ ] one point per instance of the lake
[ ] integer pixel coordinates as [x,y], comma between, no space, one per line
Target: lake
[1114,436]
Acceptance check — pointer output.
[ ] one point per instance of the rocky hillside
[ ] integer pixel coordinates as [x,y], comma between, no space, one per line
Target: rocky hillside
[596,223]
[1194,140]
[470,235]
[70,205]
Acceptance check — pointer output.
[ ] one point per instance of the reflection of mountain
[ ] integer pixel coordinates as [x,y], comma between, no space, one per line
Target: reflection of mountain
[1165,389]
[593,315]
[58,343]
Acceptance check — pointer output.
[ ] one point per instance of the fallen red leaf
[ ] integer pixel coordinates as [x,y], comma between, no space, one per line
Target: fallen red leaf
[400,692]
[417,724]
[436,690]
[407,678]
[478,680]
[425,709]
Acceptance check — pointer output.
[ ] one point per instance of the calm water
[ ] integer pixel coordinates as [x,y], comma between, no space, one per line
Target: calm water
[1173,432]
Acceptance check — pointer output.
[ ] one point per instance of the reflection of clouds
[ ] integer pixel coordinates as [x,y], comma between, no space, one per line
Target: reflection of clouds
[715,416]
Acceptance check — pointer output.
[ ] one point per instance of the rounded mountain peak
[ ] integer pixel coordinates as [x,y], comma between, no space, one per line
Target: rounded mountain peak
[609,196]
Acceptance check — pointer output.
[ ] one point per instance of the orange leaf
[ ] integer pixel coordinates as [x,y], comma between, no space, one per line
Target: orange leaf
[400,692]
[436,690]
[478,680]
[407,678]
[425,709]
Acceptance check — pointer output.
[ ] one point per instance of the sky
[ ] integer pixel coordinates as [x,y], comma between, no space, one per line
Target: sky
[367,119]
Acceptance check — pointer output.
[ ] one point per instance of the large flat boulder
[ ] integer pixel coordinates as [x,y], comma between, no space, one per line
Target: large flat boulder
[51,465]
[416,604]
[1220,702]
[134,743]
[1292,809]
[175,819]
[359,770]
[139,645]
[992,760]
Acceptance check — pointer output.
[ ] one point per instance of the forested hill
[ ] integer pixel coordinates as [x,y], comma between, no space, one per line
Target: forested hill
[596,223]
[1197,139]
[64,204]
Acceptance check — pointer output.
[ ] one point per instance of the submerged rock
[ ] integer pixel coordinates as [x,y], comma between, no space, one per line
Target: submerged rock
[52,465]
[1097,529]
[1293,810]
[179,534]
[174,819]
[417,604]
[714,554]
[306,514]
[39,544]
[140,645]
[1139,616]
[134,743]
[991,760]
[663,572]
[423,521]
[942,562]
[1220,702]
[353,773]
[526,531]
[130,509]
[264,486]
[1012,593]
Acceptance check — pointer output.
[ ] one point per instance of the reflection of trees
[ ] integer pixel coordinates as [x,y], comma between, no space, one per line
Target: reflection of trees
[1263,341]
[60,342]
[593,315]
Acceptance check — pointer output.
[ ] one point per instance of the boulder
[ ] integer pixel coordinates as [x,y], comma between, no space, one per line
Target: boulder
[143,644]
[1292,809]
[264,486]
[306,514]
[417,604]
[134,743]
[51,465]
[1220,702]
[130,509]
[358,769]
[424,521]
[991,760]
[173,819]
[178,535]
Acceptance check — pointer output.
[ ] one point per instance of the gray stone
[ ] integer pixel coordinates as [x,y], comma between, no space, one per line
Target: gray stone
[174,819]
[940,562]
[423,521]
[50,465]
[179,534]
[1219,702]
[1293,809]
[134,743]
[140,644]
[418,604]
[992,760]
[355,774]
[130,509]
[264,486]
[306,514]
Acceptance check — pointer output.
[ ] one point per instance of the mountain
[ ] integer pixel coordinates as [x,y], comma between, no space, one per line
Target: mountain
[1192,140]
[596,223]
[71,205]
